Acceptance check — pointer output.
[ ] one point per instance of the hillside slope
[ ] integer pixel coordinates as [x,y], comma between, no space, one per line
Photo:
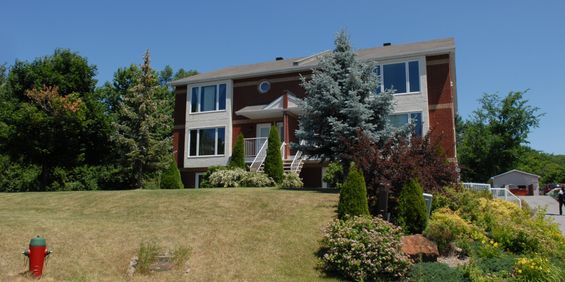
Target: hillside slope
[234,234]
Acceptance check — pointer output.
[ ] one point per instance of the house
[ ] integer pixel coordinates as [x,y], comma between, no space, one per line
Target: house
[519,182]
[212,108]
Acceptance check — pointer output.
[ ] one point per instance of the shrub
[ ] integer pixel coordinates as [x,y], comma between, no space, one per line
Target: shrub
[334,175]
[237,177]
[434,271]
[18,177]
[256,179]
[497,268]
[170,178]
[353,195]
[205,183]
[292,180]
[446,227]
[238,155]
[412,213]
[364,249]
[79,178]
[537,269]
[273,160]
[226,177]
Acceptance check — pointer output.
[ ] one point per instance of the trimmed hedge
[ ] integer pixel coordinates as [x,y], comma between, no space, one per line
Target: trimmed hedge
[237,157]
[170,178]
[412,213]
[353,195]
[273,160]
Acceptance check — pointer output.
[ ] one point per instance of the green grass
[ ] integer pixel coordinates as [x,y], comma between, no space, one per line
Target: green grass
[233,234]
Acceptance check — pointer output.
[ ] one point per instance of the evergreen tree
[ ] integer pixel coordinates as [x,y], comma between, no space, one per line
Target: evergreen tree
[412,213]
[273,160]
[353,195]
[170,178]
[237,157]
[341,99]
[143,127]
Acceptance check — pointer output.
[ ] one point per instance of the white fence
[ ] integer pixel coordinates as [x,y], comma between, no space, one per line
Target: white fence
[476,186]
[497,193]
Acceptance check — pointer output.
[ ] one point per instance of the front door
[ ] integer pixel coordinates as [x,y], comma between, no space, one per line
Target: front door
[264,128]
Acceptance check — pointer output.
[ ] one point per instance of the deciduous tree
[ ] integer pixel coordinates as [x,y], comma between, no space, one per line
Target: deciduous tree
[493,138]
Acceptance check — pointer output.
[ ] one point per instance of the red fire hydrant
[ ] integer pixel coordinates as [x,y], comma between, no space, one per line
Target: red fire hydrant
[37,253]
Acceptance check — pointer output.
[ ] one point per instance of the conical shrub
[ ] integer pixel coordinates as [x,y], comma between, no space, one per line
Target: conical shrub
[353,195]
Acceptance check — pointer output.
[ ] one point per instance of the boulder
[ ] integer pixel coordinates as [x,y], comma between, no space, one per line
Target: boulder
[419,248]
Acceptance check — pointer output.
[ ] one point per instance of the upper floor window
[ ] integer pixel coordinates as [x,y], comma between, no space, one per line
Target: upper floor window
[402,77]
[208,98]
[399,120]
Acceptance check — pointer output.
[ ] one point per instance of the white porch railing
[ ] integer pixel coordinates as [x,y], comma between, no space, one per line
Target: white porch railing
[259,158]
[297,161]
[283,148]
[252,146]
[497,193]
[476,186]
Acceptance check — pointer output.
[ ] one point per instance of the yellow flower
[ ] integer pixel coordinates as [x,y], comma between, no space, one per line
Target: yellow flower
[519,271]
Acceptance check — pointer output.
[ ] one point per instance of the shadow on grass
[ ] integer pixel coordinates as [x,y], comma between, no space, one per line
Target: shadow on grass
[319,190]
[324,272]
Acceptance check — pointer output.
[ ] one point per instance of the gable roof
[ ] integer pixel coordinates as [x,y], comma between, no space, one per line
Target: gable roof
[515,171]
[433,47]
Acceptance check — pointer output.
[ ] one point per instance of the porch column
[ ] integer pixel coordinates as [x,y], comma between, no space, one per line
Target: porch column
[285,126]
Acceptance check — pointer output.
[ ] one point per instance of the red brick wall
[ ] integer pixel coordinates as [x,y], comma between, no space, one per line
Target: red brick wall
[245,91]
[441,102]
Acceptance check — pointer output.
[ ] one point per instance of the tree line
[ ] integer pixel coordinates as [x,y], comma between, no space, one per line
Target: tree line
[60,131]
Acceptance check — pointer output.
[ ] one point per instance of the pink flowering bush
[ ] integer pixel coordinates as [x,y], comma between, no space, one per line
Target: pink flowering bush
[364,248]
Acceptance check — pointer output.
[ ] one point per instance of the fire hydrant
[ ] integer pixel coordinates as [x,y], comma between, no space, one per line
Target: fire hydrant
[37,253]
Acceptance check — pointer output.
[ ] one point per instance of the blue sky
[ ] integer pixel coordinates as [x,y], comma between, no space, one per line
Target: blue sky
[501,45]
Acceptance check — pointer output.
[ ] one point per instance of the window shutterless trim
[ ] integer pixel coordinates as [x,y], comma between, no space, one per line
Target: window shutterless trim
[199,98]
[406,63]
[216,134]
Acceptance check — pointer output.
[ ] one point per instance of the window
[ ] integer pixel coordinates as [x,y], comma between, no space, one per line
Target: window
[399,120]
[206,142]
[208,98]
[400,77]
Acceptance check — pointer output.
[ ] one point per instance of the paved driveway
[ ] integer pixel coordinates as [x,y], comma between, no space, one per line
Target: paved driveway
[552,208]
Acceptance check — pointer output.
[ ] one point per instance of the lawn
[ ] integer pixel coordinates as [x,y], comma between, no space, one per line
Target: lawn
[235,234]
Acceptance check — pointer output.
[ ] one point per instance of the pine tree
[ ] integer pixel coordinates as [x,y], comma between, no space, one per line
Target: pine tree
[273,160]
[412,213]
[341,100]
[353,195]
[143,127]
[237,157]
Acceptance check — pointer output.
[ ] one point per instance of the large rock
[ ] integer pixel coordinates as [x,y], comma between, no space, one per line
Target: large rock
[419,248]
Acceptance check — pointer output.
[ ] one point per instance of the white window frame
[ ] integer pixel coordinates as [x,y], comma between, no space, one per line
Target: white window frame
[198,97]
[406,63]
[198,142]
[410,118]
